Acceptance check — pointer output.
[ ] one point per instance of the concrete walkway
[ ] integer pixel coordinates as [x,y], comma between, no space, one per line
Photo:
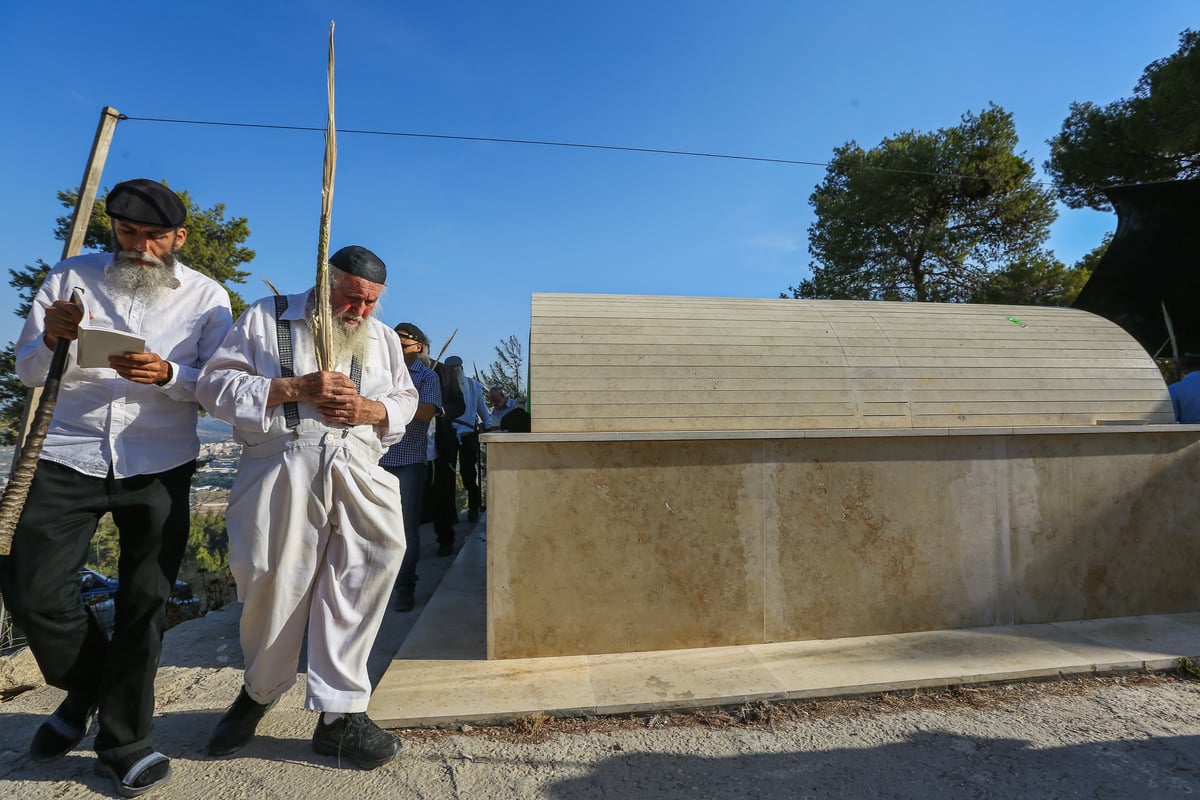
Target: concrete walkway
[441,674]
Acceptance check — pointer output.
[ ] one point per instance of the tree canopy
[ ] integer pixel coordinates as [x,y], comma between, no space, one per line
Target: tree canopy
[213,247]
[927,216]
[1152,136]
[1039,281]
[506,370]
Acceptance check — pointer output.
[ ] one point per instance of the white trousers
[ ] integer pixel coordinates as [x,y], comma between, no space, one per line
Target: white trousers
[316,537]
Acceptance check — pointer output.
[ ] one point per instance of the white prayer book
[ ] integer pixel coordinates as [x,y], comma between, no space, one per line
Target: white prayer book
[95,345]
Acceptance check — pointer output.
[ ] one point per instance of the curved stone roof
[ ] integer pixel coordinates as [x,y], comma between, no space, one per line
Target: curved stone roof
[611,363]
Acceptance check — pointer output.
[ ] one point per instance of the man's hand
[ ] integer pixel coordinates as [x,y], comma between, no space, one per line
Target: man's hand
[61,322]
[141,367]
[334,395]
[353,409]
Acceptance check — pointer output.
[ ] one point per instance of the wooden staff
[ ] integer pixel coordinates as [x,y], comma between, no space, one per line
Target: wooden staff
[322,323]
[17,489]
[18,485]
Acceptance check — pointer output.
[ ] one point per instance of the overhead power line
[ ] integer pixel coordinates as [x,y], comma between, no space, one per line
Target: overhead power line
[541,143]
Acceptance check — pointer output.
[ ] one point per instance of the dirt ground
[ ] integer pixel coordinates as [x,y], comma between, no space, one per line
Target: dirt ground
[1113,737]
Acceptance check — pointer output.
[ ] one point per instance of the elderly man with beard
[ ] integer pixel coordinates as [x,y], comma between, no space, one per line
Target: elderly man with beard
[316,528]
[122,440]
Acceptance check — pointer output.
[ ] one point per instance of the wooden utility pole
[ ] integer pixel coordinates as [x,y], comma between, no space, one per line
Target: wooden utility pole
[91,181]
[39,405]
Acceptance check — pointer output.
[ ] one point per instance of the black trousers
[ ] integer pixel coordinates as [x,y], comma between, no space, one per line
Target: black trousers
[444,505]
[40,581]
[468,467]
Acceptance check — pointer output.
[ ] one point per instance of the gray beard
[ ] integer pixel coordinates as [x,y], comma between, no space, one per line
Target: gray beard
[150,280]
[348,340]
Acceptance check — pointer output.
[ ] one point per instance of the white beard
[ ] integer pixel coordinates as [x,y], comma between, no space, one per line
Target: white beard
[348,340]
[150,280]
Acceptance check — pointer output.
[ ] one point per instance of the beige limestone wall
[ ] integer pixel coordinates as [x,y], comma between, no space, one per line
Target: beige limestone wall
[652,542]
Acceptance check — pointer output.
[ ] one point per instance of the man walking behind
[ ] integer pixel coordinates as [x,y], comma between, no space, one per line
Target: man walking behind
[408,458]
[466,429]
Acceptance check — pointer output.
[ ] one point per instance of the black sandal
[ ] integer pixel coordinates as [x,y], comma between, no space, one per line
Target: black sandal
[127,772]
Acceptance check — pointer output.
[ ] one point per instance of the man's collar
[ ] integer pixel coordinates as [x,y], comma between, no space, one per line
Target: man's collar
[298,310]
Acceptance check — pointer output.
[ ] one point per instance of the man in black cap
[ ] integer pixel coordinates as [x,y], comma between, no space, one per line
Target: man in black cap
[316,527]
[408,459]
[122,440]
[460,445]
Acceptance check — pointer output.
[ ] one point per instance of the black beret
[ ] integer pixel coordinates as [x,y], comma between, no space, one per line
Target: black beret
[412,332]
[453,361]
[360,262]
[146,202]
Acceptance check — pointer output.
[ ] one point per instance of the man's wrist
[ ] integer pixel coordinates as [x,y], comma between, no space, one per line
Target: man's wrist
[170,374]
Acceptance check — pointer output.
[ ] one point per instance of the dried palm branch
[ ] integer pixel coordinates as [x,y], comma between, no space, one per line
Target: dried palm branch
[323,324]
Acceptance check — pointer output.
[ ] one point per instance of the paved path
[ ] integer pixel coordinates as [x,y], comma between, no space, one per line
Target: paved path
[1107,738]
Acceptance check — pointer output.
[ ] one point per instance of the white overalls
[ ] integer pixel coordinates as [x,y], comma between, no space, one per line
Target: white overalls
[316,534]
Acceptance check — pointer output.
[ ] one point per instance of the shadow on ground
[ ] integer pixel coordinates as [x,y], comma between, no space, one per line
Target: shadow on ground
[930,764]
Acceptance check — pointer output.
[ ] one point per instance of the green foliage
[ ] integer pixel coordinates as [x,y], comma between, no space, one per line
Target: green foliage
[27,281]
[14,392]
[1041,281]
[207,546]
[926,216]
[105,550]
[1152,136]
[507,369]
[1090,261]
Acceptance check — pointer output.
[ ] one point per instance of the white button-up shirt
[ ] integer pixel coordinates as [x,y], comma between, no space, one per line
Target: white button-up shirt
[477,410]
[102,420]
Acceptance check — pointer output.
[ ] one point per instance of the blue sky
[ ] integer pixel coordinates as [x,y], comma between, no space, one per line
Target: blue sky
[470,230]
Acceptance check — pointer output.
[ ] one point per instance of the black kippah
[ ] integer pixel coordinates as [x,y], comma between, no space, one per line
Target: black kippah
[145,202]
[360,262]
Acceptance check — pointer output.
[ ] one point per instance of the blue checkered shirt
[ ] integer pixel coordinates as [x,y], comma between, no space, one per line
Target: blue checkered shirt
[411,449]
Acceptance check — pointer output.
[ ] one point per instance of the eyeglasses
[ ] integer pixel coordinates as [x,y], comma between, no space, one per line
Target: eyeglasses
[409,343]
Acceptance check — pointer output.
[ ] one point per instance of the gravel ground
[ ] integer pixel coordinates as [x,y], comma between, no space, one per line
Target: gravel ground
[1116,737]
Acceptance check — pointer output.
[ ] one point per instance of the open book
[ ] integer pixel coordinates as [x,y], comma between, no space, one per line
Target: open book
[95,345]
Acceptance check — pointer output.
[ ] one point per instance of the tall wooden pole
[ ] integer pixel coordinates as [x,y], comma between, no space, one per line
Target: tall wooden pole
[35,424]
[91,181]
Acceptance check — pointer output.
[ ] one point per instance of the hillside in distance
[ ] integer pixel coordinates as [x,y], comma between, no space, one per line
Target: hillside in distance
[210,430]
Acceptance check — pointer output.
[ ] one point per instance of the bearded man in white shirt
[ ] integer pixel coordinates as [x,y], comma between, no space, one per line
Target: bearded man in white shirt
[122,440]
[316,527]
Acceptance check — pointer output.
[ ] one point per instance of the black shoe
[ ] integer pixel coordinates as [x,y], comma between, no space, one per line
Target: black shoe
[356,737]
[405,601]
[473,515]
[136,773]
[63,729]
[446,549]
[236,728]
